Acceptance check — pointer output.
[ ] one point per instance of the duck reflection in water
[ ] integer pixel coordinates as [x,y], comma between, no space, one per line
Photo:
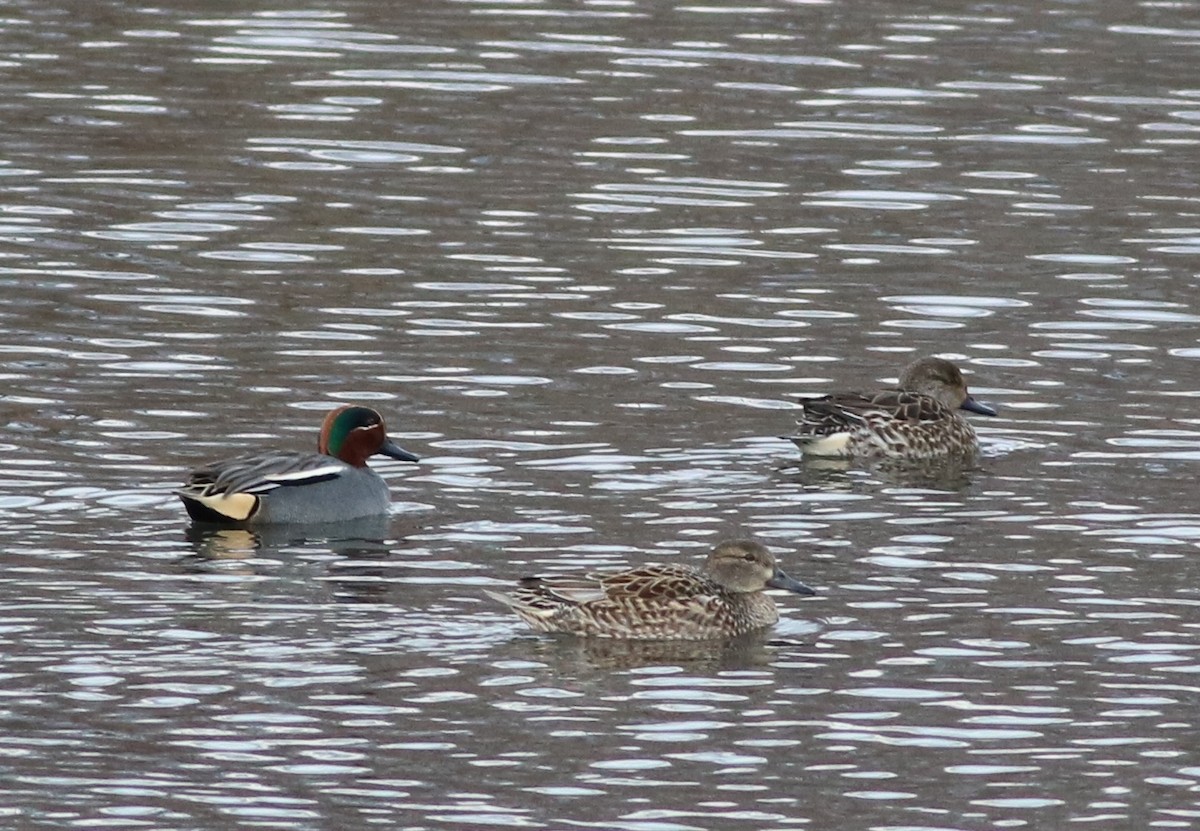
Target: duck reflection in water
[829,474]
[580,657]
[363,550]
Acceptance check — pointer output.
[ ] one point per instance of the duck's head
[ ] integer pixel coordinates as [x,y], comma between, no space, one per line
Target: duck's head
[940,379]
[354,434]
[745,566]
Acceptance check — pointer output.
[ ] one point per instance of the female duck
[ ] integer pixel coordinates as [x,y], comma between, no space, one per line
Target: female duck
[286,486]
[677,602]
[919,420]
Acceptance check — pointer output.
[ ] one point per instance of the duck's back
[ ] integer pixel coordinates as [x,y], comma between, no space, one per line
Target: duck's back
[886,423]
[653,602]
[283,487]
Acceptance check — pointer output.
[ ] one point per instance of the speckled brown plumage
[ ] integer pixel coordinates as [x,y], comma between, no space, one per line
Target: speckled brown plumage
[670,601]
[919,420]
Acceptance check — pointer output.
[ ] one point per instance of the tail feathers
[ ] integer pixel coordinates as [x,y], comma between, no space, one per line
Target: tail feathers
[830,444]
[502,597]
[222,507]
[539,617]
[528,606]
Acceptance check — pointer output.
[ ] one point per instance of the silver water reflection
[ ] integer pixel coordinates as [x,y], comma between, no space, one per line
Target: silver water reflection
[581,257]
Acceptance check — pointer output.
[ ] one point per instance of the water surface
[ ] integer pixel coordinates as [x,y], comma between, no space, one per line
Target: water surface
[582,257]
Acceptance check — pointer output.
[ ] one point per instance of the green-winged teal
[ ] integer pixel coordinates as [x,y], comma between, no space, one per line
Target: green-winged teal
[286,486]
[661,602]
[918,420]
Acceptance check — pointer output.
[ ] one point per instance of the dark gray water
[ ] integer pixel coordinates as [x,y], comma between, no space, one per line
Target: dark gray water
[579,255]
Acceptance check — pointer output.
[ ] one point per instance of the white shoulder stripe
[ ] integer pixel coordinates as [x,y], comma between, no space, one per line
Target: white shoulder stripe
[334,469]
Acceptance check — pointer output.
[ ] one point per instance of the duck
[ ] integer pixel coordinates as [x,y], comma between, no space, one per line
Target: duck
[287,486]
[920,420]
[723,599]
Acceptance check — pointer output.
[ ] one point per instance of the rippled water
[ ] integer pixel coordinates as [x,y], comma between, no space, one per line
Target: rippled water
[581,256]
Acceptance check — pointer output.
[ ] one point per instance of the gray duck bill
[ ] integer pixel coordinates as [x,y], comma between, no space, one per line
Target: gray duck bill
[779,580]
[390,448]
[971,405]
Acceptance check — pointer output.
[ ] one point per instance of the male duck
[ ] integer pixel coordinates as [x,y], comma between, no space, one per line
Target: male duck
[287,486]
[918,421]
[659,602]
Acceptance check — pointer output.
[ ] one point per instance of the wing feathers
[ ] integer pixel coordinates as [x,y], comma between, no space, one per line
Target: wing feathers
[261,473]
[846,411]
